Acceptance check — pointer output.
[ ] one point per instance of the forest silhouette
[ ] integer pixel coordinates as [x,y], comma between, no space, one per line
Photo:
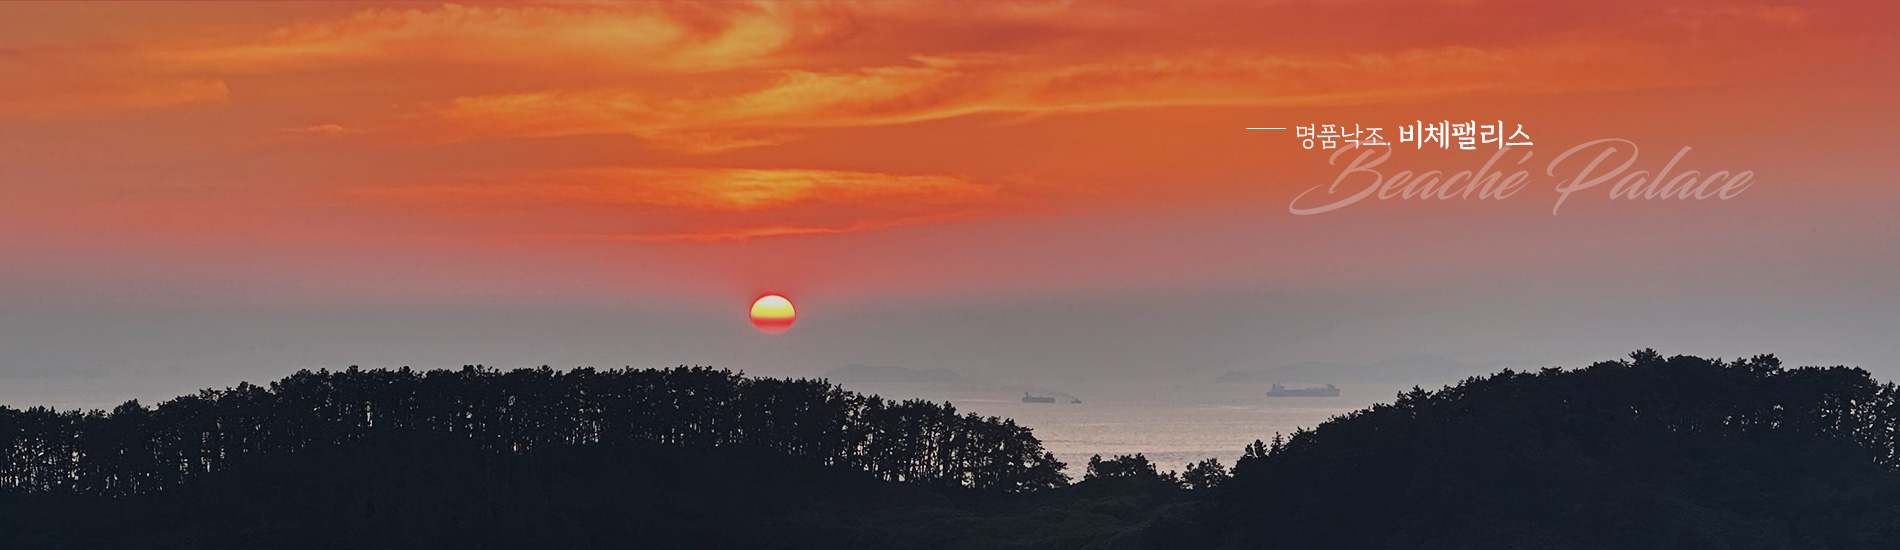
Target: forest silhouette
[135,449]
[1648,452]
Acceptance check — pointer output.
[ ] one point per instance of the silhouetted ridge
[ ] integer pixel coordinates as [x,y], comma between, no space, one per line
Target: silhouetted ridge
[135,449]
[396,490]
[1653,452]
[1649,453]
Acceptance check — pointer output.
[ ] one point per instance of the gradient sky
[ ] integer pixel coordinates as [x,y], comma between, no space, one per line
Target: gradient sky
[195,194]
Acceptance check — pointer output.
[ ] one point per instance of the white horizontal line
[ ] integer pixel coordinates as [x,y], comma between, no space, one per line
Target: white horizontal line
[1266,128]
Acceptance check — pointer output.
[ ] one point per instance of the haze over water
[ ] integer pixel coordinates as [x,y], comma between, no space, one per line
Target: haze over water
[1172,424]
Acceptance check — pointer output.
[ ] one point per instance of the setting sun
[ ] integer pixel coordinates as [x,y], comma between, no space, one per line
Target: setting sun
[772,314]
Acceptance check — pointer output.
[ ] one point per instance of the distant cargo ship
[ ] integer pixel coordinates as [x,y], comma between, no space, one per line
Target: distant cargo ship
[1037,399]
[1282,391]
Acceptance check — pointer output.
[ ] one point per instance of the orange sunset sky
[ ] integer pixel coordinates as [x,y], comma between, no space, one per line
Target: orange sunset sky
[190,191]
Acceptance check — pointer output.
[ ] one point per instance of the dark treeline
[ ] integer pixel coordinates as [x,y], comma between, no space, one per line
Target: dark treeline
[136,449]
[1649,452]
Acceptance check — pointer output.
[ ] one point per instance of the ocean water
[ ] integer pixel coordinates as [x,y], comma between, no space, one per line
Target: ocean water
[1172,424]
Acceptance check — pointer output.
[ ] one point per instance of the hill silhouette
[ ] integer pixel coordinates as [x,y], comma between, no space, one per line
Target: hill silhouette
[1649,452]
[1652,452]
[419,490]
[134,449]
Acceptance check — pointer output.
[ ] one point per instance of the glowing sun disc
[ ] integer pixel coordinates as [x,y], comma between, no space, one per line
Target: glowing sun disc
[772,314]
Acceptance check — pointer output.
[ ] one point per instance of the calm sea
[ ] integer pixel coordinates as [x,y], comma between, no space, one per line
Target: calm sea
[1173,424]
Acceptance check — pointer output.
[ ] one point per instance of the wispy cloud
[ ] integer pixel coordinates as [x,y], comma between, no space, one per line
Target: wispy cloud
[60,83]
[544,91]
[935,88]
[643,36]
[642,203]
